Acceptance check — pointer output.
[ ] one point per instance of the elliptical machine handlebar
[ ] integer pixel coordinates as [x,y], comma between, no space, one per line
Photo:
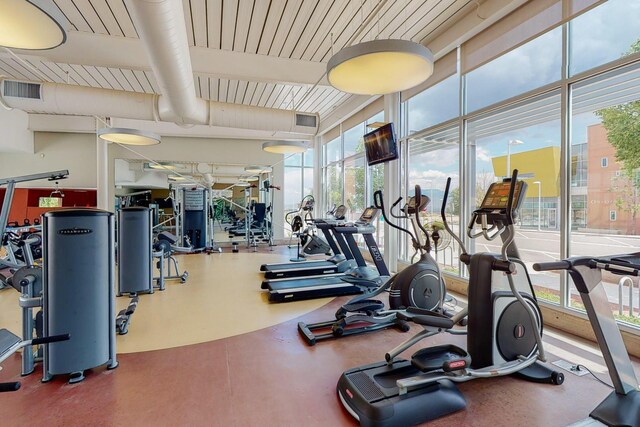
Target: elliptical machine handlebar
[378,202]
[464,255]
[418,193]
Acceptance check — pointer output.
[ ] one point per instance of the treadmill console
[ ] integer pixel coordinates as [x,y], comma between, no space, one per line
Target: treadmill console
[368,216]
[497,197]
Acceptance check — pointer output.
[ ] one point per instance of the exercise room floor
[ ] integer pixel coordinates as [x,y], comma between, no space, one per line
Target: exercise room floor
[213,352]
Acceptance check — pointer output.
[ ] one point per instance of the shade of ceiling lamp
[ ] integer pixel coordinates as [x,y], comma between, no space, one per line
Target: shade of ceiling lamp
[285,147]
[248,178]
[258,169]
[242,184]
[178,177]
[379,67]
[163,166]
[128,136]
[31,24]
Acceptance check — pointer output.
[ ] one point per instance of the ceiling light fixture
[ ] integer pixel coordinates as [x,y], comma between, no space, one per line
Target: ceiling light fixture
[31,24]
[179,177]
[162,166]
[285,147]
[258,169]
[129,136]
[378,67]
[248,178]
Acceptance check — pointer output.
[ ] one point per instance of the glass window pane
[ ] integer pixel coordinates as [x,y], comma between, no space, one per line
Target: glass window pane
[432,159]
[354,141]
[603,34]
[376,182]
[526,137]
[293,160]
[292,188]
[525,68]
[437,104]
[333,151]
[308,158]
[354,181]
[334,185]
[308,181]
[605,203]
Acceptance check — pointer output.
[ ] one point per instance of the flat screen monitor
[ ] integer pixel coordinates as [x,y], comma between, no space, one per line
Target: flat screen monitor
[380,145]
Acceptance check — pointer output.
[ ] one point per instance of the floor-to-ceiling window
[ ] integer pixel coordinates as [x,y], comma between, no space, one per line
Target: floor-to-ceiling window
[433,158]
[560,104]
[605,138]
[298,179]
[526,137]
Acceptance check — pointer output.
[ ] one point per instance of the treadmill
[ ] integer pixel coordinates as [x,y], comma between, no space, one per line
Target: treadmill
[351,282]
[341,262]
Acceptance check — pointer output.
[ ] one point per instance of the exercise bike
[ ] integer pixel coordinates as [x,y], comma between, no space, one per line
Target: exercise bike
[419,285]
[503,333]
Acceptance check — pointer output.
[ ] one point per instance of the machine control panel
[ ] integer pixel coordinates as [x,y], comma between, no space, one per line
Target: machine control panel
[368,216]
[497,197]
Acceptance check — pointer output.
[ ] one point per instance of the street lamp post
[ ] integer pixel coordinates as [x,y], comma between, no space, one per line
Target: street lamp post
[509,144]
[539,202]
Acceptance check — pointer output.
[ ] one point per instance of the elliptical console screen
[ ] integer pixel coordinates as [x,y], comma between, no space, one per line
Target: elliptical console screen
[497,196]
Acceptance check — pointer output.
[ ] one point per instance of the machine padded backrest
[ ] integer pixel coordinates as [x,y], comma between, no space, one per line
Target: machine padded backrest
[165,235]
[260,210]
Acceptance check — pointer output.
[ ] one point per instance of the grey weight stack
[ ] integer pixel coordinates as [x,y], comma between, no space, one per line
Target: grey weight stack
[78,293]
[135,256]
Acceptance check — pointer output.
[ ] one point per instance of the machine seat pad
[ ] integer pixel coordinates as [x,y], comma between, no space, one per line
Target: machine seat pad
[442,357]
[165,235]
[7,340]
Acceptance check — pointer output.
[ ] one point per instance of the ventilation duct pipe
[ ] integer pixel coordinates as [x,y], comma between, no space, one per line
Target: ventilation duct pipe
[162,29]
[59,98]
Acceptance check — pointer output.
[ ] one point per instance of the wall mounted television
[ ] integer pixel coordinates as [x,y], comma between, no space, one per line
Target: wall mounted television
[380,145]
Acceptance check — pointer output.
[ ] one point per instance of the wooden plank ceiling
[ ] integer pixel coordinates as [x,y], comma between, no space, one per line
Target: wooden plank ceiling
[296,29]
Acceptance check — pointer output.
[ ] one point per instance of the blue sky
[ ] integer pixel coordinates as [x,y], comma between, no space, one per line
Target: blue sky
[597,37]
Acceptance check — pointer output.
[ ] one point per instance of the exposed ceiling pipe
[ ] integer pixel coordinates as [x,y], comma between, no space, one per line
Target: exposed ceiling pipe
[162,29]
[60,98]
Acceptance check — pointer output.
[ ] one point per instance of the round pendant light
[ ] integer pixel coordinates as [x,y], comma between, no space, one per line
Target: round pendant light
[31,24]
[163,166]
[285,147]
[379,67]
[129,136]
[258,169]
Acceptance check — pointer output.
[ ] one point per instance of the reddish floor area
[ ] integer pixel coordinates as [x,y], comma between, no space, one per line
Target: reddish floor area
[268,378]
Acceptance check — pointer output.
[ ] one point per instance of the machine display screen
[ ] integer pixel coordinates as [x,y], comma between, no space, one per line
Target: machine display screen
[497,196]
[368,214]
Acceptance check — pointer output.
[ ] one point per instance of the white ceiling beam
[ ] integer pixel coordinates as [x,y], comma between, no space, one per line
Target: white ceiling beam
[101,50]
[61,123]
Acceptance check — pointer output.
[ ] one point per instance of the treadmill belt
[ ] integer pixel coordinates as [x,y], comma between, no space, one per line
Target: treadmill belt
[300,265]
[318,287]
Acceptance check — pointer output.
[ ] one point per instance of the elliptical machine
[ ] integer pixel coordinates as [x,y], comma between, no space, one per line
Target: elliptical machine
[419,285]
[503,334]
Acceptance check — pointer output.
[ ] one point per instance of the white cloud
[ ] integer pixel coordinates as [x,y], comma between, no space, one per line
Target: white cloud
[482,154]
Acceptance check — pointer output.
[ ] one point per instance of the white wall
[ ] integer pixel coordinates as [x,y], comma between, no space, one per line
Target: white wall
[55,151]
[15,136]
